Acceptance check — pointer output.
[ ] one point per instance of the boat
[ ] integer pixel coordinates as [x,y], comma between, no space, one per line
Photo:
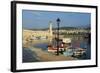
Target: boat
[79,52]
[63,44]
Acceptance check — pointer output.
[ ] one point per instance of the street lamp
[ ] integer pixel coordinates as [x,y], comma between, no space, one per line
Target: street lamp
[58,21]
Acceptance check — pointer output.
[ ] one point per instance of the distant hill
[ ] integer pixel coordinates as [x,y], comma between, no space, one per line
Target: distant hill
[61,28]
[68,28]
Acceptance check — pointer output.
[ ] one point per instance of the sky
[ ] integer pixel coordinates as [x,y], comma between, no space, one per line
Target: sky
[32,19]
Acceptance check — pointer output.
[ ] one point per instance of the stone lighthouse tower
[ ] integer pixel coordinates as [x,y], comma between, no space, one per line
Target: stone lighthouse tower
[50,31]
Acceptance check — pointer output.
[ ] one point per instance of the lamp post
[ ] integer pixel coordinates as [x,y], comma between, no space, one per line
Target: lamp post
[58,22]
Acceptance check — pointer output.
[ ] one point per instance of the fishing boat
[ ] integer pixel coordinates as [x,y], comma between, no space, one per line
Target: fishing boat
[79,52]
[63,44]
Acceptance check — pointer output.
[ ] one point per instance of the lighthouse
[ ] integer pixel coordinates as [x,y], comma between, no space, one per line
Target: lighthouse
[50,31]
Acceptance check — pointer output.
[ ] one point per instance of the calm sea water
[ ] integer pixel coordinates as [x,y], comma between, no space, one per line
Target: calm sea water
[29,56]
